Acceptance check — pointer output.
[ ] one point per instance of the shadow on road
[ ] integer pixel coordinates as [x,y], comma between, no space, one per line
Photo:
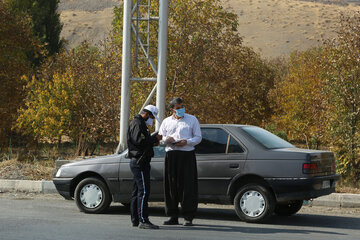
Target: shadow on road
[270,226]
[251,229]
[313,220]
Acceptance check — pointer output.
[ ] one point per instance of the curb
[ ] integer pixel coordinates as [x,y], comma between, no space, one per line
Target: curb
[338,200]
[27,186]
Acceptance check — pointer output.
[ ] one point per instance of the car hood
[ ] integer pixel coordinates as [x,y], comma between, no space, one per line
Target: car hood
[113,158]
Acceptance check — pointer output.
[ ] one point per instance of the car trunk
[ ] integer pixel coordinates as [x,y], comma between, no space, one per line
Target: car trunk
[322,162]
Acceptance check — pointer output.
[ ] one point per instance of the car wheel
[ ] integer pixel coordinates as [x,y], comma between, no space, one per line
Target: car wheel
[92,195]
[254,203]
[289,208]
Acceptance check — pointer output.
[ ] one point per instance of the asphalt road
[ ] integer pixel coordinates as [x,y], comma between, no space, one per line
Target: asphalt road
[55,218]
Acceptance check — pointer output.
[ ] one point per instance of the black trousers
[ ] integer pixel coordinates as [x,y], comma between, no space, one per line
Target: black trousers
[141,192]
[181,184]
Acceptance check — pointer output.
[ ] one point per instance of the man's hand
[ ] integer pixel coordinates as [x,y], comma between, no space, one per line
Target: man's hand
[181,143]
[159,137]
[169,140]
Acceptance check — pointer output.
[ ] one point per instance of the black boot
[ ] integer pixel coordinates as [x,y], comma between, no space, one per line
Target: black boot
[172,221]
[135,224]
[148,225]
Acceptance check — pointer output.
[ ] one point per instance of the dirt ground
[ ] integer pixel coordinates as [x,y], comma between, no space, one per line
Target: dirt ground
[278,27]
[272,27]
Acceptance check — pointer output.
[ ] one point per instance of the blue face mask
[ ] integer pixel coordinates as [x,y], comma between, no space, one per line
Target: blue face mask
[180,112]
[149,122]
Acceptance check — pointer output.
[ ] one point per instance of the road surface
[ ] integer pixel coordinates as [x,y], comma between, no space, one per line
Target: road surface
[51,217]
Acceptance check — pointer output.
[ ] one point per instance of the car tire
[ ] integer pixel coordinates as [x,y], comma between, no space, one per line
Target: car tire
[92,195]
[289,208]
[254,203]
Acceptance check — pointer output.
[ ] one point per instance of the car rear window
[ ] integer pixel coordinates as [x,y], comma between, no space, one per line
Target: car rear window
[265,138]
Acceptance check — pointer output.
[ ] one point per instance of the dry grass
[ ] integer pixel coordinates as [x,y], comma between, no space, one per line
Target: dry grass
[343,189]
[31,164]
[345,185]
[36,170]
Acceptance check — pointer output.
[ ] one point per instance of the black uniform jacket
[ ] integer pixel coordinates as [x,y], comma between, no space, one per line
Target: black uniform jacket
[139,139]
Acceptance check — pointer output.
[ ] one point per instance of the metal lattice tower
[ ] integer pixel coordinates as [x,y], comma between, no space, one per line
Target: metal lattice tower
[140,36]
[135,13]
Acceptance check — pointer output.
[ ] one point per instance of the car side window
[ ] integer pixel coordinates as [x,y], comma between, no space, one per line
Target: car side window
[159,151]
[234,146]
[214,140]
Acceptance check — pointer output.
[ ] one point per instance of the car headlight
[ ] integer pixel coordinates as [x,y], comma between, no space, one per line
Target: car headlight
[58,173]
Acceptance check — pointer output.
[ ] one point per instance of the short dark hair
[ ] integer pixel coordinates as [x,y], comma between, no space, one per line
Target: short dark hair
[146,111]
[175,101]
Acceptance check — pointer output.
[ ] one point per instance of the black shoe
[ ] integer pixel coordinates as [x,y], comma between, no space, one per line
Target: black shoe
[148,225]
[135,224]
[172,221]
[188,223]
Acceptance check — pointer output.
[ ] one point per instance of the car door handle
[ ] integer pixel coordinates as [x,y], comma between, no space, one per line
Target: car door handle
[233,165]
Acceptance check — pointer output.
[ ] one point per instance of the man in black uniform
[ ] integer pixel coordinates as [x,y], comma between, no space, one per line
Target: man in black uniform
[140,144]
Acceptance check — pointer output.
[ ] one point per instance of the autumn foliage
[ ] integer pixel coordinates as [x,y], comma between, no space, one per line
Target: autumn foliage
[17,45]
[311,98]
[77,95]
[221,80]
[318,100]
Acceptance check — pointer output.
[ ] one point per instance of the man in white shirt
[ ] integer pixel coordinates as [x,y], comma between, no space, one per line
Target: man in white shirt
[180,132]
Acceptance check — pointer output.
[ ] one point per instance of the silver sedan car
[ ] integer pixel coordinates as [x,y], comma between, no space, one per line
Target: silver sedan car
[247,166]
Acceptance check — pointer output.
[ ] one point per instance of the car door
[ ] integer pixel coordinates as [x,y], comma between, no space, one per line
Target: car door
[125,178]
[220,156]
[157,174]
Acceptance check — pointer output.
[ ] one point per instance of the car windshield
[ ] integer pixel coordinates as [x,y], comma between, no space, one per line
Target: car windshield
[265,138]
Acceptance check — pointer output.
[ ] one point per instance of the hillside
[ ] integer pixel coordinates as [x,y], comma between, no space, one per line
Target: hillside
[272,27]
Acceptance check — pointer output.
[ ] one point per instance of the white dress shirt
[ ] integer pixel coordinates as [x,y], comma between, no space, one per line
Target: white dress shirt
[186,128]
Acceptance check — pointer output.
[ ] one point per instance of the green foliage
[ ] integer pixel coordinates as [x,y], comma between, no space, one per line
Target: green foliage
[16,45]
[45,21]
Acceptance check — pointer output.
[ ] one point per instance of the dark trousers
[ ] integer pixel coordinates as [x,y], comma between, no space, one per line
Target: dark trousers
[141,192]
[181,184]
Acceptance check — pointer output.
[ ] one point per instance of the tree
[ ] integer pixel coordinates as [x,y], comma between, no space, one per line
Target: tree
[342,76]
[76,95]
[301,106]
[221,80]
[45,20]
[16,45]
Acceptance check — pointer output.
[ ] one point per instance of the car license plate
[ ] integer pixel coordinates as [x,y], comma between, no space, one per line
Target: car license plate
[326,184]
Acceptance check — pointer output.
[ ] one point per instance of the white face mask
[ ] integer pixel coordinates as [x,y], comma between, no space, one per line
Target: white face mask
[149,122]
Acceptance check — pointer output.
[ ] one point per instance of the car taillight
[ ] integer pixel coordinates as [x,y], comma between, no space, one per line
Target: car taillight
[310,168]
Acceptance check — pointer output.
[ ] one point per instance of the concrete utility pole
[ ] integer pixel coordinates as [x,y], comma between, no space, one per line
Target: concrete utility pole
[162,59]
[131,22]
[126,73]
